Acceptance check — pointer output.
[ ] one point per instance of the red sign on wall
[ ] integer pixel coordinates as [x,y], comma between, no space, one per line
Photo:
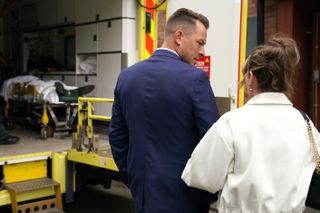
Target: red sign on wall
[203,63]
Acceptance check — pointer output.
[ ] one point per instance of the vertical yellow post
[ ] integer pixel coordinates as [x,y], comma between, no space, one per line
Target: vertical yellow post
[80,114]
[59,169]
[142,30]
[148,26]
[89,126]
[44,117]
[242,48]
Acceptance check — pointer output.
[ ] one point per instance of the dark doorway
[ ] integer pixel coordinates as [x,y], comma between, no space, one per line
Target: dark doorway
[315,65]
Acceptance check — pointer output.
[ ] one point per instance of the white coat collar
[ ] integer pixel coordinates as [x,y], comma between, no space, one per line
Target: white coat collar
[269,98]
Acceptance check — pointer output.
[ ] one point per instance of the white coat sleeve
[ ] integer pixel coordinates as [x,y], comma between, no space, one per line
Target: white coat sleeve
[212,159]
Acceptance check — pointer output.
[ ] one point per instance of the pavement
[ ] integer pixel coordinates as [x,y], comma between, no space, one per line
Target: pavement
[96,199]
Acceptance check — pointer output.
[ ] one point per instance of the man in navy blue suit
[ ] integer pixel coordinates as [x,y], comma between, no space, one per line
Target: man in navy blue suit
[163,106]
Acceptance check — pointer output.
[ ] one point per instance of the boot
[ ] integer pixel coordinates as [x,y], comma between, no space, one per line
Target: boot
[74,92]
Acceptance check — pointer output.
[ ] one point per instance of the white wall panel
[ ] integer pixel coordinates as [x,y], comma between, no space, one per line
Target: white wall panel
[223,38]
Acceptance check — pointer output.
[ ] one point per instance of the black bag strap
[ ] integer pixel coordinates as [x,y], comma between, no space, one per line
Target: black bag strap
[305,116]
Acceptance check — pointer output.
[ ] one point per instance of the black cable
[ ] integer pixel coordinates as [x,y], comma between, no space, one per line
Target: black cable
[151,8]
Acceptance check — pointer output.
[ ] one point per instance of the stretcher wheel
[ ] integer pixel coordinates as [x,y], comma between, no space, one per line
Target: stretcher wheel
[44,133]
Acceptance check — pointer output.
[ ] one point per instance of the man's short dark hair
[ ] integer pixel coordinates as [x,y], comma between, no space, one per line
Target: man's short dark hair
[185,18]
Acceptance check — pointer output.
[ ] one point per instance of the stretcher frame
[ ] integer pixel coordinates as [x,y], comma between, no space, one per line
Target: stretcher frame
[33,106]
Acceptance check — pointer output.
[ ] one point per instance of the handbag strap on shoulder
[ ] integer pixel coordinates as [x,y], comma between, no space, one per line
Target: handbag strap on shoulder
[315,153]
[306,118]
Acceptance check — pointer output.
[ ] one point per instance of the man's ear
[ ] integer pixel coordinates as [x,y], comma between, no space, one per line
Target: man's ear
[178,35]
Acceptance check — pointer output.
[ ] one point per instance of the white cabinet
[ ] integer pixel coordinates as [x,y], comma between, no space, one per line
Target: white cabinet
[107,9]
[103,36]
[129,8]
[113,24]
[109,68]
[94,10]
[85,11]
[86,38]
[110,36]
[65,11]
[129,40]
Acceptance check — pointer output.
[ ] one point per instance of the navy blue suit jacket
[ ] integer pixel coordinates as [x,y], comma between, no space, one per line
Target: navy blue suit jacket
[163,106]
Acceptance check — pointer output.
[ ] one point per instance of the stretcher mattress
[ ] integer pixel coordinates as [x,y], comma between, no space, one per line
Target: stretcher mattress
[45,89]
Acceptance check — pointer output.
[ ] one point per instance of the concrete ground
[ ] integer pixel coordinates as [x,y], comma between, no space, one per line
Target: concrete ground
[117,199]
[96,199]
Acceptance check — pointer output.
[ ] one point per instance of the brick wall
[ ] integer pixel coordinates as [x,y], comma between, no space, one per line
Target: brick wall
[252,8]
[270,15]
[161,24]
[270,18]
[162,19]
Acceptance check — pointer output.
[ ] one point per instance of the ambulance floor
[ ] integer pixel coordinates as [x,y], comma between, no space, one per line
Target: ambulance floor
[30,142]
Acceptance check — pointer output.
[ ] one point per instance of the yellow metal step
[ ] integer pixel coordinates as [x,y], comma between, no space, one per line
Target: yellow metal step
[47,205]
[29,185]
[43,206]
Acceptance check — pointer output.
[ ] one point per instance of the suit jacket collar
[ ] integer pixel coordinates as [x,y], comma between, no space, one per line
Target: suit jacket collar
[164,52]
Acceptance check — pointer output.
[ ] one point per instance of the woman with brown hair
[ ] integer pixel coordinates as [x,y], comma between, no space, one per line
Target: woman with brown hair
[259,155]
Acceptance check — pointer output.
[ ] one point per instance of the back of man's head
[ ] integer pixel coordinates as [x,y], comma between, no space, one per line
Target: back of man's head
[184,19]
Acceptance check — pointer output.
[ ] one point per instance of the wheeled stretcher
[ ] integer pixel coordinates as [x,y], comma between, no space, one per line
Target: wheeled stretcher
[37,102]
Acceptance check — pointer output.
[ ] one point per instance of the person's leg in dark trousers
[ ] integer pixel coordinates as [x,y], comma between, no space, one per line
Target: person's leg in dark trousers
[5,138]
[3,132]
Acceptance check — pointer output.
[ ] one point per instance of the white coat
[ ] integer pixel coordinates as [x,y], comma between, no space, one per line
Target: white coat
[259,155]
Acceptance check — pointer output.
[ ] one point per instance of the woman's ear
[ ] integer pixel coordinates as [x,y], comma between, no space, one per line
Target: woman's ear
[252,80]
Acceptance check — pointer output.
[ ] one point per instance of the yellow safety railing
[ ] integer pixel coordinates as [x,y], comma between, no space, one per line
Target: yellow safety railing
[87,109]
[91,153]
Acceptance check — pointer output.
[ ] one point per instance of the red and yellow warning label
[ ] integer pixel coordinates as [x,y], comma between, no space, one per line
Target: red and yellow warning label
[203,63]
